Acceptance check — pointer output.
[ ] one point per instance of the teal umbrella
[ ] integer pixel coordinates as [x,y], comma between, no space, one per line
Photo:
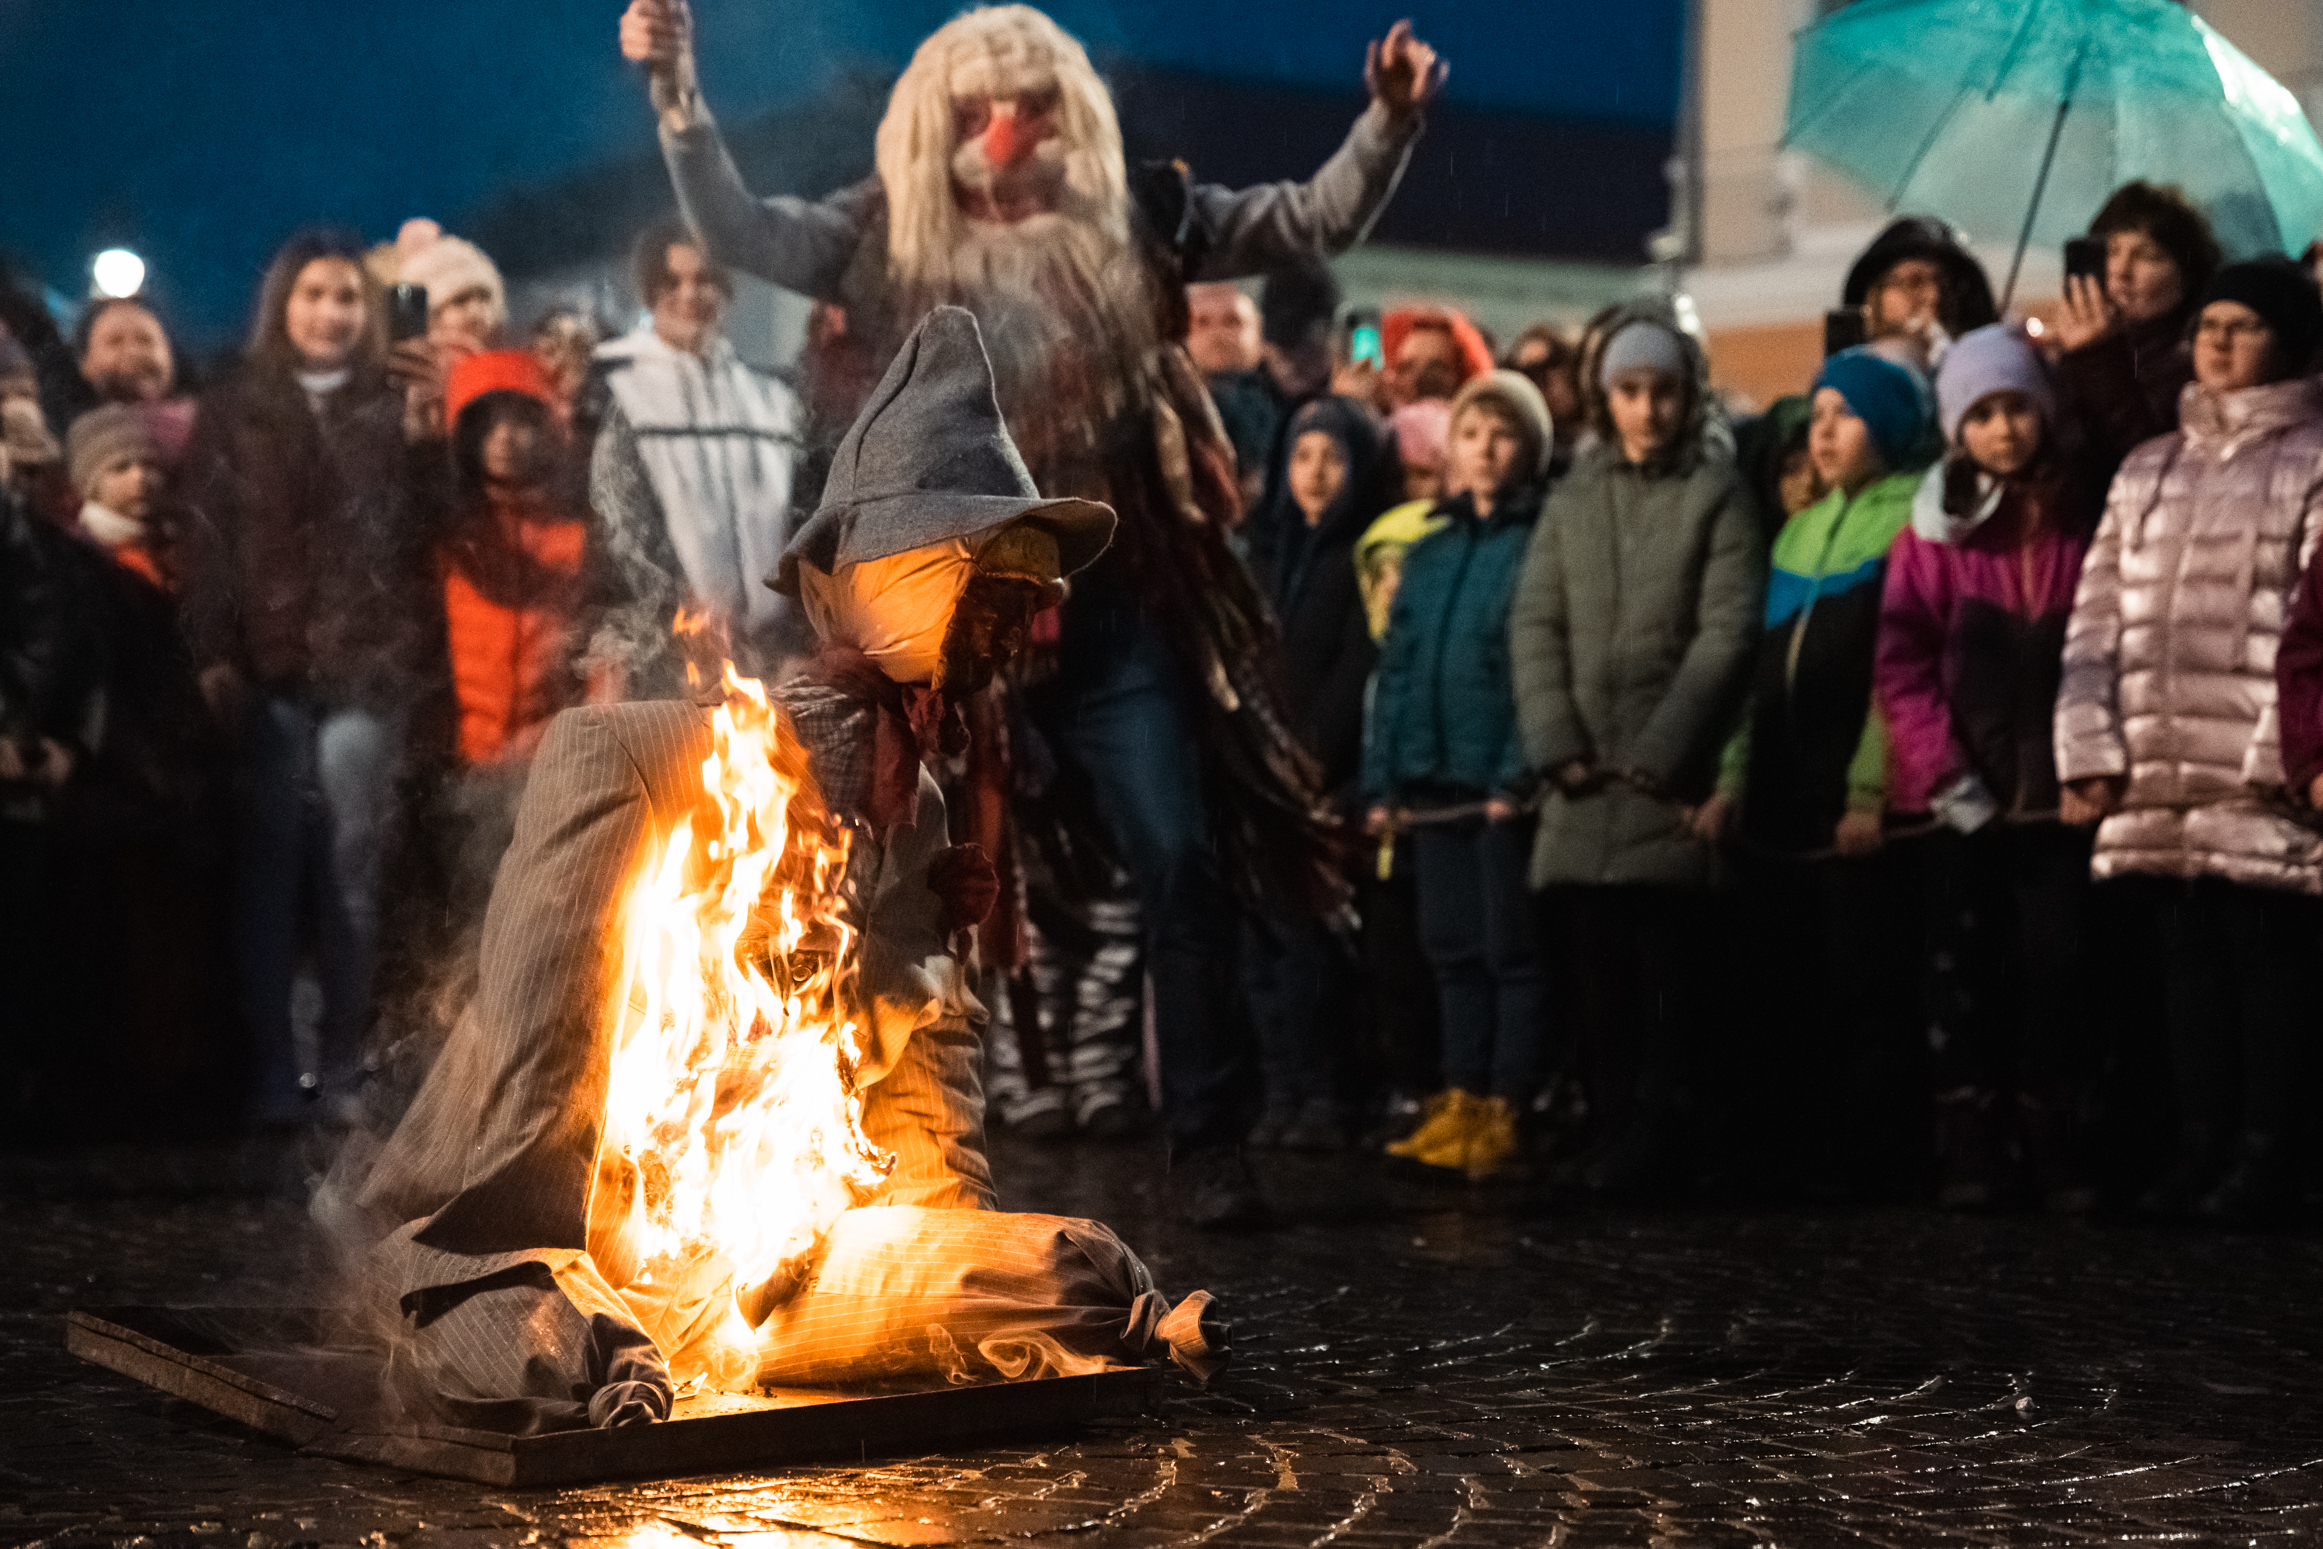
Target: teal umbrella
[2015,118]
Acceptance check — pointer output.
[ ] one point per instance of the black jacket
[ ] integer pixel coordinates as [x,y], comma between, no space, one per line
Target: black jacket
[1309,576]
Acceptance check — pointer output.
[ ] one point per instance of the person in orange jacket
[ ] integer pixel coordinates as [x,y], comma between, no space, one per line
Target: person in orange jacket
[512,566]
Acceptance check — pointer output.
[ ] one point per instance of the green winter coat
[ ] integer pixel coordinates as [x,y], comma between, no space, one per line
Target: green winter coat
[1631,634]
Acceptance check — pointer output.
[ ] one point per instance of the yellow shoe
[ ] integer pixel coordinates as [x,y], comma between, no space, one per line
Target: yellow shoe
[1491,1138]
[1443,1139]
[1446,1120]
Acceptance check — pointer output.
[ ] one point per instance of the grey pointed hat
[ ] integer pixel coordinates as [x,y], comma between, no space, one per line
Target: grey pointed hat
[928,459]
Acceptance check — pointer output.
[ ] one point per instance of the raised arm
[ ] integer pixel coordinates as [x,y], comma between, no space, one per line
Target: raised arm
[802,245]
[1276,225]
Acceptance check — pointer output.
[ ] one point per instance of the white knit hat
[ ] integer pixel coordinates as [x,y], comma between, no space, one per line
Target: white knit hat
[446,265]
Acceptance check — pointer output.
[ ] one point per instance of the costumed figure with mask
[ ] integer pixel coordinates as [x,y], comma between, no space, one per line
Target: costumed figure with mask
[1002,187]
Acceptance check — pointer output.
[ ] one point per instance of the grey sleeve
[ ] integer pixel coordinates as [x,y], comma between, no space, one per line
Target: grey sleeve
[802,245]
[1276,225]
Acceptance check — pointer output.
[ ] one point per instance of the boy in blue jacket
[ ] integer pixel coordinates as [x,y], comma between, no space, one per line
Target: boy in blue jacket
[1443,757]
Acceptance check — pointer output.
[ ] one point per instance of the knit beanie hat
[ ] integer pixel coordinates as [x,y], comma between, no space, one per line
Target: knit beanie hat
[2283,294]
[102,437]
[1643,345]
[1994,359]
[447,266]
[495,371]
[1888,398]
[1515,396]
[1423,433]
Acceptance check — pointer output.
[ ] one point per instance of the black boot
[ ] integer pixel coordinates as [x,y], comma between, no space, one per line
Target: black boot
[1212,1187]
[2260,1187]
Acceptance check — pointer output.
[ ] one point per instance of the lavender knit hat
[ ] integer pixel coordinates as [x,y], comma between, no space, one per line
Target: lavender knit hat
[1983,361]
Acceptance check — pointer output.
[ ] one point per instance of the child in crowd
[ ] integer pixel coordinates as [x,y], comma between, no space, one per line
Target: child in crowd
[2166,733]
[1336,480]
[1629,641]
[1829,915]
[117,467]
[1443,758]
[1971,631]
[1399,1010]
[1810,770]
[1420,431]
[509,571]
[1771,450]
[139,833]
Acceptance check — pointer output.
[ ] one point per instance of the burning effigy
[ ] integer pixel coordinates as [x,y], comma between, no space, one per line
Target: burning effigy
[713,1121]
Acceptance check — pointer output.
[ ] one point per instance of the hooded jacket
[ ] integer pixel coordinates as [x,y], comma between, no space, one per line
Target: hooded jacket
[1629,643]
[1327,649]
[1443,711]
[691,473]
[1971,629]
[2169,672]
[510,574]
[1815,747]
[1967,300]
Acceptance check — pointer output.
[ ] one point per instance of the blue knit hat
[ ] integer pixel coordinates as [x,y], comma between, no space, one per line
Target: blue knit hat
[1888,398]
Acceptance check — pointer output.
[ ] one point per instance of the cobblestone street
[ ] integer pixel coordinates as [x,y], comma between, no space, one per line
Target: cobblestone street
[1413,1367]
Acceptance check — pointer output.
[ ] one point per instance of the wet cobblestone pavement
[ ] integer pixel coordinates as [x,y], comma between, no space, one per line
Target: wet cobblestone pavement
[1414,1368]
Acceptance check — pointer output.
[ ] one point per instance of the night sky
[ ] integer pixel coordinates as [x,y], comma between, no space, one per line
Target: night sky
[200,135]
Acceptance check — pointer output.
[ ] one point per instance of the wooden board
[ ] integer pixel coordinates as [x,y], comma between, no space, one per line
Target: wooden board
[298,1374]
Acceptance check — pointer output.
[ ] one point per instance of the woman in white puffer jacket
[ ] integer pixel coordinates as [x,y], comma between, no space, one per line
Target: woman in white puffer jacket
[2166,730]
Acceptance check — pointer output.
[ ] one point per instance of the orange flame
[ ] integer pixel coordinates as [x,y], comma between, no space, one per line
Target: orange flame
[732,1092]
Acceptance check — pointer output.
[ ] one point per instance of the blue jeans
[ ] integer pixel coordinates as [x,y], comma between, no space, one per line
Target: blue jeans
[1121,720]
[1477,926]
[316,812]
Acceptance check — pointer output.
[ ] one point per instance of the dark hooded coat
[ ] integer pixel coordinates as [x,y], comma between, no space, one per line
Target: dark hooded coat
[1310,578]
[1967,302]
[1629,643]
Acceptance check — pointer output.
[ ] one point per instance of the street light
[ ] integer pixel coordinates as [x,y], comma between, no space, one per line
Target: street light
[117,272]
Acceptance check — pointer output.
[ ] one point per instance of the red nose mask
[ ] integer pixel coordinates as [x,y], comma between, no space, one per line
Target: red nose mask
[1006,143]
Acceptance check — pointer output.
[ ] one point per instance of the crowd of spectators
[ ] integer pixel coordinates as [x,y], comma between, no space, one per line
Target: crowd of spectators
[1907,788]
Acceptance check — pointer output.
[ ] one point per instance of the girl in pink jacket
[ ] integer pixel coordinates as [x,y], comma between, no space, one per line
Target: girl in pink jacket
[1979,588]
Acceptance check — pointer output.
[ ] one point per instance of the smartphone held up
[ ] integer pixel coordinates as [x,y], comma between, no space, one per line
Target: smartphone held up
[1363,345]
[406,313]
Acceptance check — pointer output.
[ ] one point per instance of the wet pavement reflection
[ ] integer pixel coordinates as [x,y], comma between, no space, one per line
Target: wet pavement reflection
[1414,1367]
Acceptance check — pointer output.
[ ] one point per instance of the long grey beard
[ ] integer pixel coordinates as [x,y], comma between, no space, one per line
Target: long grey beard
[1068,321]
